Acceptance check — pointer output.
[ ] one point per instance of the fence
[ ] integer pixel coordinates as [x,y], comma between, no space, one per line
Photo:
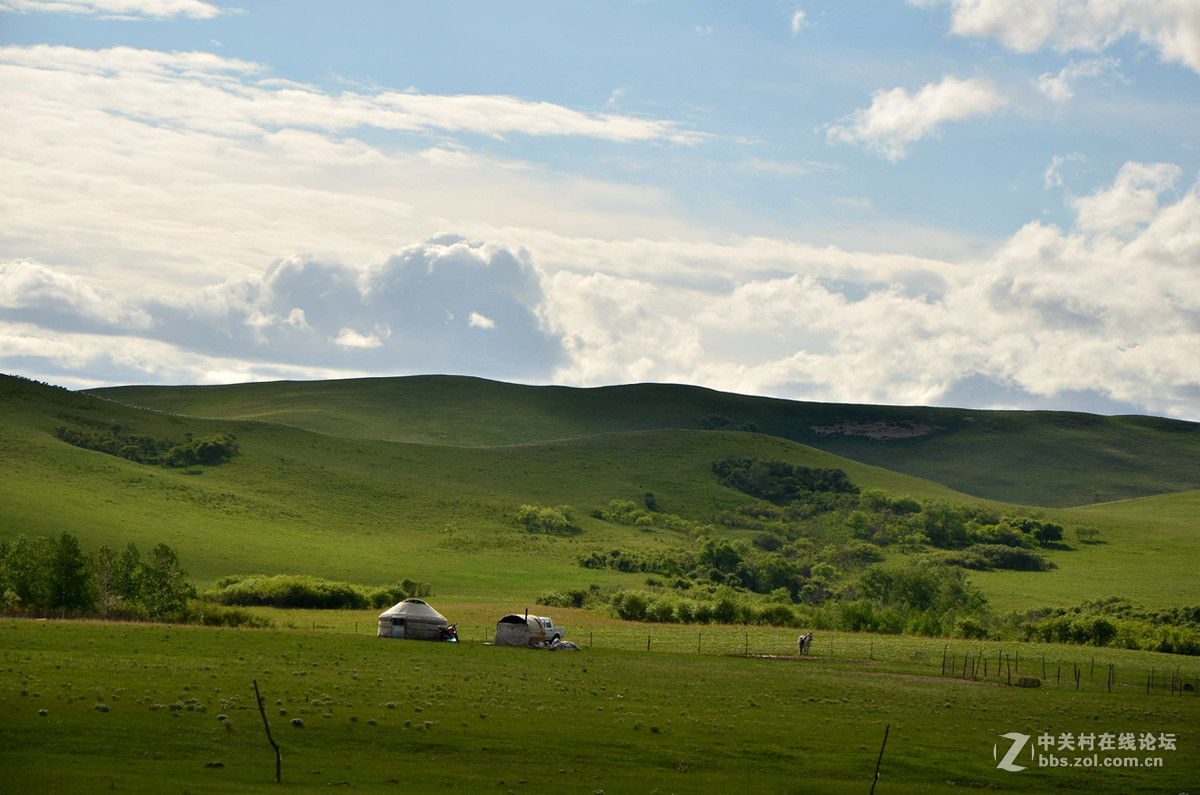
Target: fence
[1172,683]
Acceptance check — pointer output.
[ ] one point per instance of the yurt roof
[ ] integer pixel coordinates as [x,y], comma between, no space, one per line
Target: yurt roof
[414,608]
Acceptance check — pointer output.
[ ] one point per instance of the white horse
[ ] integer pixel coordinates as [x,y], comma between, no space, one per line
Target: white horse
[805,642]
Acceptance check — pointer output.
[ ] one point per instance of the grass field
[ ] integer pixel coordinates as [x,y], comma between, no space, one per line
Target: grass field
[91,706]
[374,481]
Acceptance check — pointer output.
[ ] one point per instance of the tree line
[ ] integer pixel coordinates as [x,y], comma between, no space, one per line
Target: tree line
[43,575]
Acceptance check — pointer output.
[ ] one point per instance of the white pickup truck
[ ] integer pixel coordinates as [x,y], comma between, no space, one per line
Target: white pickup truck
[552,632]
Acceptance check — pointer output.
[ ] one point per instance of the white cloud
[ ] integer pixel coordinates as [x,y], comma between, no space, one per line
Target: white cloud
[1061,87]
[208,93]
[1132,201]
[799,22]
[349,338]
[123,9]
[1172,27]
[897,119]
[481,321]
[186,168]
[1053,175]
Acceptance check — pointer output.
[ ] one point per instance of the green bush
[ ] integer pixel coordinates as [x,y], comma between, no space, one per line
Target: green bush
[306,592]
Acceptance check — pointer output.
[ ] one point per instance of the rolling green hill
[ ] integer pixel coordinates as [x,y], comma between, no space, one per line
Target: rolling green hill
[372,481]
[1052,459]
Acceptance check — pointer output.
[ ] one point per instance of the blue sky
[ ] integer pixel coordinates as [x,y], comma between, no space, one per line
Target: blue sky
[977,203]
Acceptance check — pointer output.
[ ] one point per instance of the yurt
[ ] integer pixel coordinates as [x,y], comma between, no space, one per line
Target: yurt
[518,630]
[412,619]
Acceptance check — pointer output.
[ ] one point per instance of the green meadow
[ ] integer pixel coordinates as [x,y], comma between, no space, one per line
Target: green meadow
[375,481]
[94,706]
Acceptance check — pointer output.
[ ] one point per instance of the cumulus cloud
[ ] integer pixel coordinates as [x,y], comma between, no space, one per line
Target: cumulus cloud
[897,119]
[1172,27]
[121,9]
[1108,309]
[1131,202]
[442,306]
[1109,317]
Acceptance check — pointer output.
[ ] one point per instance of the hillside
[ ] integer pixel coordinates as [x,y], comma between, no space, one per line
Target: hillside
[329,499]
[365,510]
[1038,458]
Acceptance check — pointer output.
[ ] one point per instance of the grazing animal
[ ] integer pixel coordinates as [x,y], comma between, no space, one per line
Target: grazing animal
[804,642]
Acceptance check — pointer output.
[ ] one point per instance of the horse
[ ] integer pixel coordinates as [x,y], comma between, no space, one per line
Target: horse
[805,642]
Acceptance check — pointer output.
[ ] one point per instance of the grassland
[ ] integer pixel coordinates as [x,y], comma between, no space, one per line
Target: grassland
[133,707]
[374,481]
[364,494]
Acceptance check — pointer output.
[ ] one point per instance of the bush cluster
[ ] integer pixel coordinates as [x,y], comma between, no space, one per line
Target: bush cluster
[924,599]
[551,521]
[1115,622]
[117,441]
[307,592]
[778,481]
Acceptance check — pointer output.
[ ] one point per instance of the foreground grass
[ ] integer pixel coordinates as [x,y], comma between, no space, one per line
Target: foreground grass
[140,707]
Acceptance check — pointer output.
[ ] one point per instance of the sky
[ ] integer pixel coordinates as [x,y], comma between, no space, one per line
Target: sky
[969,203]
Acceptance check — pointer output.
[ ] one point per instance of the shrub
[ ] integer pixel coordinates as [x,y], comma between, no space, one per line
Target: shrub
[303,591]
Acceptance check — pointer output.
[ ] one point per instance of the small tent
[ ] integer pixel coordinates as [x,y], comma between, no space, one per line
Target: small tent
[412,619]
[518,630]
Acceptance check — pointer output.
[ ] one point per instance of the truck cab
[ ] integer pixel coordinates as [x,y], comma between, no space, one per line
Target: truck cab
[552,632]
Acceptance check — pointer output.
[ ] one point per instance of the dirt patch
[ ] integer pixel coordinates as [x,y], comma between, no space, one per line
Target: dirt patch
[879,430]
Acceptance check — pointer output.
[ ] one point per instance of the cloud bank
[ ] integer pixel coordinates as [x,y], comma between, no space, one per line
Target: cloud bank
[1171,27]
[120,9]
[1110,308]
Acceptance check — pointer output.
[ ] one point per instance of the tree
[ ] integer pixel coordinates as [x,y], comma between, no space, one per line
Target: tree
[720,555]
[104,566]
[67,575]
[130,574]
[23,570]
[165,589]
[1048,533]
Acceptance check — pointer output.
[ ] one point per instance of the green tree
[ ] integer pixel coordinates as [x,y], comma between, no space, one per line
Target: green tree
[130,575]
[23,570]
[165,587]
[103,566]
[67,575]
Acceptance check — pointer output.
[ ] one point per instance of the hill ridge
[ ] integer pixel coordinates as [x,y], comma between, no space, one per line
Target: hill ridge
[1046,458]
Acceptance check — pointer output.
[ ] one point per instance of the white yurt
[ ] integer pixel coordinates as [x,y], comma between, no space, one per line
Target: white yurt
[412,619]
[518,630]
